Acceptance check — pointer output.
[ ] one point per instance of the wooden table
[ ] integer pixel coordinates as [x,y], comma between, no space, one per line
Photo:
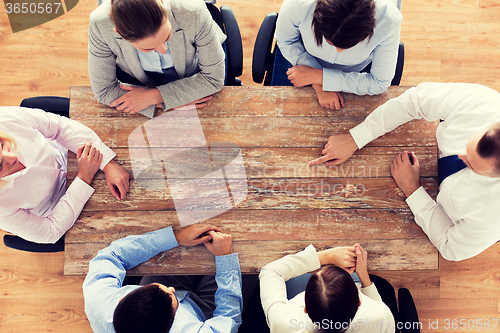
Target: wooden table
[279,129]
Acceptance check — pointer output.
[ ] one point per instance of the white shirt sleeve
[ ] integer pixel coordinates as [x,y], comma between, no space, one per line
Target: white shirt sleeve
[288,36]
[66,132]
[455,241]
[372,292]
[274,275]
[430,101]
[49,229]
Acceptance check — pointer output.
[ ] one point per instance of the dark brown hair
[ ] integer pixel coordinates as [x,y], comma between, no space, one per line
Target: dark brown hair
[343,23]
[137,19]
[146,309]
[331,294]
[489,145]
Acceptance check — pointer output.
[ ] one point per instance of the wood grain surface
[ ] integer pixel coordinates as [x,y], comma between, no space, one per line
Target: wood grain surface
[287,204]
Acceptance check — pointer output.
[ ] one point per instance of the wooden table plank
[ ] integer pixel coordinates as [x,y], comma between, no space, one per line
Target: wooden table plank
[257,225]
[373,162]
[257,101]
[270,131]
[276,193]
[400,254]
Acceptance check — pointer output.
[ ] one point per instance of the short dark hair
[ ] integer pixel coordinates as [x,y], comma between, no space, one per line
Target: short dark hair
[489,145]
[146,309]
[332,294]
[343,23]
[137,19]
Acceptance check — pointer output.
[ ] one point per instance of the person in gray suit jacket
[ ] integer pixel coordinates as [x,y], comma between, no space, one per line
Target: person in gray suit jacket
[147,53]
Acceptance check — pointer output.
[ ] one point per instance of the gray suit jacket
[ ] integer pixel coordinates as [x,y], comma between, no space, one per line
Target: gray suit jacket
[194,34]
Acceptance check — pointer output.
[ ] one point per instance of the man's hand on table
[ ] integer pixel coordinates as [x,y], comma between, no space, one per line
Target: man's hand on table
[405,170]
[117,179]
[195,234]
[342,256]
[137,99]
[221,245]
[337,150]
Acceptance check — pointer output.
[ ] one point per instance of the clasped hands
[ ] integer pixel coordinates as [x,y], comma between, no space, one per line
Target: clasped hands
[350,258]
[216,242]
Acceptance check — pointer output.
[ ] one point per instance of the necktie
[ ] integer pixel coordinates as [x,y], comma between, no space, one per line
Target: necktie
[449,165]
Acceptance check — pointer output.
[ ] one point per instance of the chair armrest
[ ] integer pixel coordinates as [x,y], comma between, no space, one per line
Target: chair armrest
[233,42]
[399,65]
[262,47]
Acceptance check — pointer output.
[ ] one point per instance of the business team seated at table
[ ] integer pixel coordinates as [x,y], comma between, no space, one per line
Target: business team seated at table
[168,53]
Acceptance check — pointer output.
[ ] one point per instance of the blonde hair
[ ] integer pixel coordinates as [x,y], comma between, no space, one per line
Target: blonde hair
[13,142]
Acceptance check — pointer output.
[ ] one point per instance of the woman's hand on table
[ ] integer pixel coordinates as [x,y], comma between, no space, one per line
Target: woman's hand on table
[361,266]
[117,179]
[89,160]
[136,99]
[342,256]
[198,104]
[301,75]
[328,99]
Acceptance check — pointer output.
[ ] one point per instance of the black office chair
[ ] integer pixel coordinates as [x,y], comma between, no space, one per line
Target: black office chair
[234,49]
[53,104]
[406,318]
[18,243]
[263,53]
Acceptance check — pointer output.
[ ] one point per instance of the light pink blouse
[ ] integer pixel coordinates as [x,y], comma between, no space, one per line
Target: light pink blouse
[35,204]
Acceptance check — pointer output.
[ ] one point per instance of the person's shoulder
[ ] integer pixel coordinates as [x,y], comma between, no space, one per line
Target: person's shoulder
[186,6]
[371,310]
[101,13]
[386,11]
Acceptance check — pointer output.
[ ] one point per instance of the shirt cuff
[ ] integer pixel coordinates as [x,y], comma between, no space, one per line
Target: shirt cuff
[107,155]
[418,200]
[166,238]
[372,292]
[332,80]
[312,258]
[80,190]
[361,135]
[227,263]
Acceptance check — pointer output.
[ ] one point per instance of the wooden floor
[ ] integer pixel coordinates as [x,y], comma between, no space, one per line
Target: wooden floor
[451,40]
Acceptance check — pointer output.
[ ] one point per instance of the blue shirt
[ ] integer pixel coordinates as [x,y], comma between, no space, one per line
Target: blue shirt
[102,288]
[295,38]
[154,61]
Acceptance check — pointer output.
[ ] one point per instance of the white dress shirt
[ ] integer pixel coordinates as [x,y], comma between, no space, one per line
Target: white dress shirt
[295,37]
[464,219]
[284,315]
[35,204]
